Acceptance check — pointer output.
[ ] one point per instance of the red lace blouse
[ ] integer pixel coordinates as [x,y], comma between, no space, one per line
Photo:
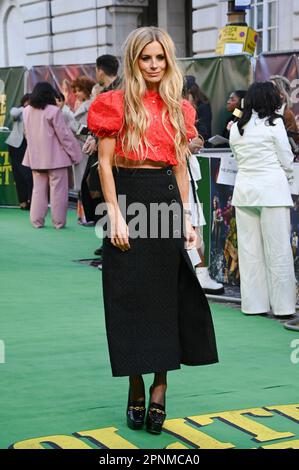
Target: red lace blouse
[105,119]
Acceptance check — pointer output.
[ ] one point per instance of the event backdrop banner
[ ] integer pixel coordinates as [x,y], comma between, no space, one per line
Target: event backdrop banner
[11,92]
[60,76]
[218,77]
[8,195]
[286,64]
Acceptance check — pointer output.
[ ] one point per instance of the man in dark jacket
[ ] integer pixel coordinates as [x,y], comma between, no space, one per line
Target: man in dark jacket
[107,76]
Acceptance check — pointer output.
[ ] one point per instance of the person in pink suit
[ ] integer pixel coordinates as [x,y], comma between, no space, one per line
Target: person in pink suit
[51,149]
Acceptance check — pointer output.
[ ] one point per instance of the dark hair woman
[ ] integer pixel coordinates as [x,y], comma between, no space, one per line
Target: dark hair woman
[51,149]
[235,101]
[42,95]
[262,198]
[25,100]
[200,101]
[262,98]
[17,147]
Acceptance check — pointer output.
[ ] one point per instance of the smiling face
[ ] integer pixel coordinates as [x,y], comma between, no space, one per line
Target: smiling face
[80,95]
[152,64]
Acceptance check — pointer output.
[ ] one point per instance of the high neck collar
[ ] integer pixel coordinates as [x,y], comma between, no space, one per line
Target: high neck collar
[151,93]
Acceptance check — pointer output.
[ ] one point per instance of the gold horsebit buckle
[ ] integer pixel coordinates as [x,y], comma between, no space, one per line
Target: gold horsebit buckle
[137,408]
[157,410]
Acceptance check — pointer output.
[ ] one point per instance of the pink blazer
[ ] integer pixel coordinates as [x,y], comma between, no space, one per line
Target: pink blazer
[50,143]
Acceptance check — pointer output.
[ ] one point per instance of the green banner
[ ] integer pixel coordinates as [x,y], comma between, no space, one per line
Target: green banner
[8,195]
[204,195]
[11,92]
[218,77]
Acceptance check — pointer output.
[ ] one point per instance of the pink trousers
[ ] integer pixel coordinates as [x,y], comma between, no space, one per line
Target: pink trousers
[57,182]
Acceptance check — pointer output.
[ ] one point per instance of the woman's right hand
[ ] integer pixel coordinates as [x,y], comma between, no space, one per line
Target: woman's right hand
[120,233]
[191,235]
[196,145]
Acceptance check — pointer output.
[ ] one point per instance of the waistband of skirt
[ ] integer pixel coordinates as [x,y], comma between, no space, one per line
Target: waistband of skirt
[146,172]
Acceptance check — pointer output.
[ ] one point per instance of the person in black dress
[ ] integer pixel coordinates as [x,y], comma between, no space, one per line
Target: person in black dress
[17,147]
[157,316]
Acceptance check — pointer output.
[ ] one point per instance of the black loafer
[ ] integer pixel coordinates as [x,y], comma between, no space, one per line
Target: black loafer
[155,417]
[135,413]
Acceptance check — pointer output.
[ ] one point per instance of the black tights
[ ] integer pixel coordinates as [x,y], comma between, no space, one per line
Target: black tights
[158,392]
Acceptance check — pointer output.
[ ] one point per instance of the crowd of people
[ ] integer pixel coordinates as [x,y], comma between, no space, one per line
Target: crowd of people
[138,136]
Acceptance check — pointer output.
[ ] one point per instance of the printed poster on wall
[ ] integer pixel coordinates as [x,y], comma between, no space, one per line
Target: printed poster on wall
[224,244]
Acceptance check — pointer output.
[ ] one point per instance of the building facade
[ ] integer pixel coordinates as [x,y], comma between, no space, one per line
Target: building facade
[53,32]
[277,22]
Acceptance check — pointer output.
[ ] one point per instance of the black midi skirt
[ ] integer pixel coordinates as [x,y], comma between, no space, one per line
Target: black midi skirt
[157,316]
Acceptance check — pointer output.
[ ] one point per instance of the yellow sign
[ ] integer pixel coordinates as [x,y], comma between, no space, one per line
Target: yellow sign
[190,431]
[5,169]
[236,39]
[2,109]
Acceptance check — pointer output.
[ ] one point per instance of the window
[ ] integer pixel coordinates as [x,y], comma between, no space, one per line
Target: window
[149,16]
[263,17]
[14,34]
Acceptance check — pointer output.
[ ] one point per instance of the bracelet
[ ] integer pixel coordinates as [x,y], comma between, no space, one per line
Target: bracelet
[187,212]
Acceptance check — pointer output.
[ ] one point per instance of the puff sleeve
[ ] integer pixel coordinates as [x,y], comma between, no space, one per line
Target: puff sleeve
[106,112]
[190,115]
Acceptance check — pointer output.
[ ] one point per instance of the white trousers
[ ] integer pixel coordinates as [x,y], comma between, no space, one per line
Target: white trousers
[265,260]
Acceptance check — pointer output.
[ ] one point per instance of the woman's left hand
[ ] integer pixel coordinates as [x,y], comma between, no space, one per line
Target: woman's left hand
[90,145]
[196,145]
[190,235]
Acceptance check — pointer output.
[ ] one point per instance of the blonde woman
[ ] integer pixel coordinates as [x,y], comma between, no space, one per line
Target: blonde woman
[157,316]
[283,85]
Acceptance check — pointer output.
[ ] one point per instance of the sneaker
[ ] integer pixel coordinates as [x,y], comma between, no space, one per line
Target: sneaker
[209,285]
[292,324]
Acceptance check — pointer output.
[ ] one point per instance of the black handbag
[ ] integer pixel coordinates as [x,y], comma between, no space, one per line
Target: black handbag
[91,191]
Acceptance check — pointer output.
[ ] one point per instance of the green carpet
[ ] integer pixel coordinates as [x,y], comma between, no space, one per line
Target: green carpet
[56,380]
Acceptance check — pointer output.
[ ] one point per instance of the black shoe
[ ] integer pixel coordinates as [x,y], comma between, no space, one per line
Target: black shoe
[135,413]
[99,251]
[155,417]
[286,317]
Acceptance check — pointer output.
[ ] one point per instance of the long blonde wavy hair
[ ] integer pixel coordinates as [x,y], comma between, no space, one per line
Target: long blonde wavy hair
[137,117]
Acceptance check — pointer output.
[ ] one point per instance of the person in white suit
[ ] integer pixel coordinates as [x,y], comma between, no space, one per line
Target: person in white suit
[262,197]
